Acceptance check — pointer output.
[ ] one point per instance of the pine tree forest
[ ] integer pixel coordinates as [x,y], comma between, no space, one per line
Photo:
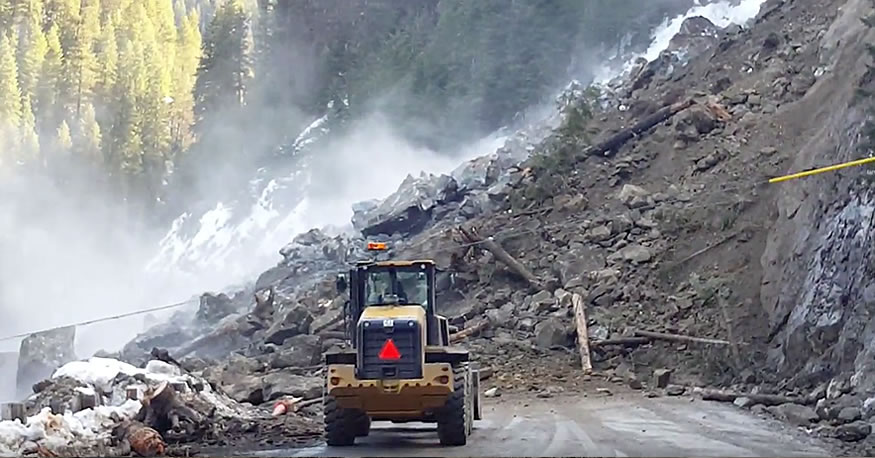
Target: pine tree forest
[135,94]
[102,83]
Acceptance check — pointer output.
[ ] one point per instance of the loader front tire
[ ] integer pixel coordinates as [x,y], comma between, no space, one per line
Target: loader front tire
[454,418]
[340,424]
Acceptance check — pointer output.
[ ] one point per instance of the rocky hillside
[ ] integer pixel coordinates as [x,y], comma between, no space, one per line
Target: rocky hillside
[647,201]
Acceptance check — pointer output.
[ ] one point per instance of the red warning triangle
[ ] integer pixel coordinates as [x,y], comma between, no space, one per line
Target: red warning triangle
[389,351]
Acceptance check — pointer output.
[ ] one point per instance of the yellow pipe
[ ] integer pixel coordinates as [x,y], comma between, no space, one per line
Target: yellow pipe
[822,169]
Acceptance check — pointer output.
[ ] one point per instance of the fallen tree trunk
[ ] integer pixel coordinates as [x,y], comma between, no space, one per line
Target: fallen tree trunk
[145,441]
[710,394]
[679,338]
[620,138]
[500,254]
[167,413]
[467,332]
[582,332]
[620,341]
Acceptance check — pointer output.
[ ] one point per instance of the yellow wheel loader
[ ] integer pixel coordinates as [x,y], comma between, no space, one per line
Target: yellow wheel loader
[400,366]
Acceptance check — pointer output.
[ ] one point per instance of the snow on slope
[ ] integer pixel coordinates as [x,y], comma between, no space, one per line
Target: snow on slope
[231,242]
[722,14]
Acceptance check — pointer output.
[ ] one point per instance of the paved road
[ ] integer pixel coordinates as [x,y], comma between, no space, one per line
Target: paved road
[587,426]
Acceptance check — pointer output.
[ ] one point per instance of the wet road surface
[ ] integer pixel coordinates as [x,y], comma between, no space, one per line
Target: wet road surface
[586,426]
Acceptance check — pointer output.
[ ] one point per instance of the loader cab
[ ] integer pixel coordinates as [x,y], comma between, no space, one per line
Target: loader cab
[393,283]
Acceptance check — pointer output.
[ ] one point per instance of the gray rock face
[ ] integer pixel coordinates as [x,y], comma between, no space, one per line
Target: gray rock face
[551,333]
[794,413]
[409,208]
[296,320]
[41,353]
[214,307]
[696,35]
[853,432]
[298,351]
[279,384]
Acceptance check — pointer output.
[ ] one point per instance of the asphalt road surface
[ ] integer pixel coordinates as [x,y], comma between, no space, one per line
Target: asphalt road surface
[607,426]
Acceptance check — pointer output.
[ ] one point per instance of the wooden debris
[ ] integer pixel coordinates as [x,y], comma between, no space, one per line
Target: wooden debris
[471,237]
[481,325]
[706,249]
[620,341]
[710,394]
[165,411]
[679,338]
[486,372]
[619,139]
[145,441]
[718,111]
[582,332]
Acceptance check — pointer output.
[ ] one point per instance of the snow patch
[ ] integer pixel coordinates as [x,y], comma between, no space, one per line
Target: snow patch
[722,14]
[85,428]
[99,372]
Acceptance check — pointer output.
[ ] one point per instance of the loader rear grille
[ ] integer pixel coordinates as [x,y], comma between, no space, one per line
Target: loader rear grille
[405,335]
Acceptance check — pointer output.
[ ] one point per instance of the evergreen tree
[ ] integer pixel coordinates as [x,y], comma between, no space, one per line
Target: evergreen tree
[64,140]
[189,52]
[10,94]
[47,85]
[29,142]
[88,138]
[80,63]
[32,50]
[226,68]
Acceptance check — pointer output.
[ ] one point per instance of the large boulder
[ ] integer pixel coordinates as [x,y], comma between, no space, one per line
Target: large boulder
[552,333]
[237,377]
[295,321]
[41,353]
[279,384]
[696,34]
[214,307]
[299,351]
[408,209]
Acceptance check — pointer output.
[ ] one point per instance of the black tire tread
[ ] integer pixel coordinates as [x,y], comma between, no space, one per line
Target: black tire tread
[452,425]
[340,427]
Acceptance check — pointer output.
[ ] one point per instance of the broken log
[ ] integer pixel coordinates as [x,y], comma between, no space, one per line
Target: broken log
[709,394]
[145,441]
[619,139]
[165,411]
[620,341]
[485,373]
[679,338]
[582,332]
[471,237]
[467,332]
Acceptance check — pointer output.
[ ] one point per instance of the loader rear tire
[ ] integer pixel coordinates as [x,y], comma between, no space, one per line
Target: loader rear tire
[340,423]
[363,424]
[454,418]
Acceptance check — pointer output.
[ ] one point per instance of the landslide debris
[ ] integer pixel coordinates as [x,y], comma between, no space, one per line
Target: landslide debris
[645,199]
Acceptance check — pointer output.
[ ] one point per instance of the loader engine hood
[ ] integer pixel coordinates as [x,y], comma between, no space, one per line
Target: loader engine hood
[391,342]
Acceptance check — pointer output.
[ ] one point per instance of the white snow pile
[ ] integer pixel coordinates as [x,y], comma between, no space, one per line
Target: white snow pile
[99,373]
[90,428]
[81,430]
